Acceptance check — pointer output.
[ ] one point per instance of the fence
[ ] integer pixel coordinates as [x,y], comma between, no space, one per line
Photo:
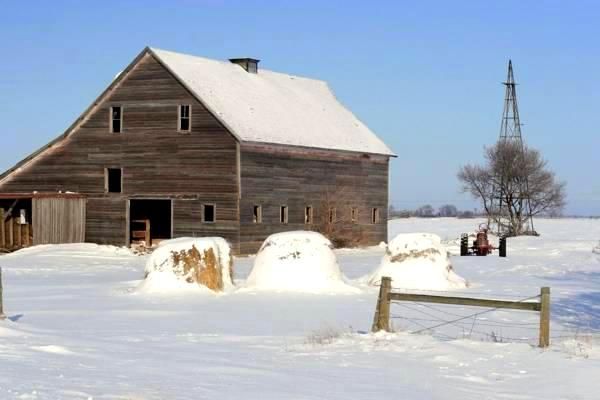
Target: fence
[387,296]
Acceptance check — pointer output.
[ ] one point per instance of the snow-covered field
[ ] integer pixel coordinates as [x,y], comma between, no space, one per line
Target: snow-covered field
[78,329]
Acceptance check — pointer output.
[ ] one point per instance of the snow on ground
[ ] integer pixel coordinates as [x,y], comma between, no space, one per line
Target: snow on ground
[417,261]
[79,330]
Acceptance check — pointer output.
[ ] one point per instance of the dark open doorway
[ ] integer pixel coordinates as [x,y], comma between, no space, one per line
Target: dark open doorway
[150,221]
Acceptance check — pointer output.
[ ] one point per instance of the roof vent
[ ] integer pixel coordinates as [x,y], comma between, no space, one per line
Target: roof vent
[249,64]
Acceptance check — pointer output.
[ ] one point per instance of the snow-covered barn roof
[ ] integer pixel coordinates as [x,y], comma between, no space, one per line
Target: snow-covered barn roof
[271,107]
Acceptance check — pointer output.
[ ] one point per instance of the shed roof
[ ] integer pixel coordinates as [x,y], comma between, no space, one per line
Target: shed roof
[271,107]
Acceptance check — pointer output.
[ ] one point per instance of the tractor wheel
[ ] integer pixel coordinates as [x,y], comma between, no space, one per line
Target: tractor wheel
[502,248]
[464,244]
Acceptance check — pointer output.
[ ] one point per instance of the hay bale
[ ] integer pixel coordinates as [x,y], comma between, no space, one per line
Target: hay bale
[417,261]
[297,261]
[205,262]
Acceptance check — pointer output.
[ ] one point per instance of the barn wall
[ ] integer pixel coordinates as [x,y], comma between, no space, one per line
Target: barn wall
[187,219]
[272,176]
[157,160]
[58,220]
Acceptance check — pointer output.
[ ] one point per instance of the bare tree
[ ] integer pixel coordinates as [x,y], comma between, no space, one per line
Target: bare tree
[518,172]
[426,211]
[448,210]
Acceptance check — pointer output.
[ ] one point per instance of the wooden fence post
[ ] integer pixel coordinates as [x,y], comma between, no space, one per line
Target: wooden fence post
[2,316]
[382,312]
[545,317]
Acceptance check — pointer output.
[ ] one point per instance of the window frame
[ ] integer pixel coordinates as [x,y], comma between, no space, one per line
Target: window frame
[284,214]
[375,217]
[111,119]
[257,218]
[354,215]
[107,179]
[214,206]
[331,215]
[189,118]
[308,217]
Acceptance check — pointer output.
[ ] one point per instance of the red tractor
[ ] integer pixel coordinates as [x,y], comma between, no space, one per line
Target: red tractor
[481,245]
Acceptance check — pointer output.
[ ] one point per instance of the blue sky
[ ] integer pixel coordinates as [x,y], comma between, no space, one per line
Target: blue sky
[425,76]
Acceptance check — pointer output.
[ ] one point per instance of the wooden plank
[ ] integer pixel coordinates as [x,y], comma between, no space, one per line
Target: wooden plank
[19,233]
[465,301]
[27,233]
[545,317]
[148,236]
[11,236]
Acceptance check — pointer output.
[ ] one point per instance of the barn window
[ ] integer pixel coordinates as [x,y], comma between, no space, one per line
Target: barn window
[354,214]
[113,180]
[185,112]
[116,119]
[257,214]
[209,213]
[331,215]
[283,215]
[375,215]
[308,215]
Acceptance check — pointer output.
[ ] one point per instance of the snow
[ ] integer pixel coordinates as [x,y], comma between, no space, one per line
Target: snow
[298,261]
[164,275]
[78,329]
[417,261]
[270,107]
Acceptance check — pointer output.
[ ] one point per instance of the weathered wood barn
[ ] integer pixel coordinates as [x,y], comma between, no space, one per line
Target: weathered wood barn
[179,145]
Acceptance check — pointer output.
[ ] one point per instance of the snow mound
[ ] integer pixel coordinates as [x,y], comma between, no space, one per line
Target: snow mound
[596,249]
[187,264]
[297,261]
[417,261]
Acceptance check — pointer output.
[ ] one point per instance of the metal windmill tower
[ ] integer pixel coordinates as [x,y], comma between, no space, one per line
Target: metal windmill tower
[510,130]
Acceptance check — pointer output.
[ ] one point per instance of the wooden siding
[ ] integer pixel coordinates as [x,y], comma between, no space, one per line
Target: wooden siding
[58,220]
[157,160]
[273,176]
[187,219]
[106,221]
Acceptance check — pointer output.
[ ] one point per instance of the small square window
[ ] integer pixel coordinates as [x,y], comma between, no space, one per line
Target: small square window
[209,213]
[354,215]
[257,214]
[283,215]
[185,124]
[116,119]
[308,215]
[331,218]
[375,215]
[113,180]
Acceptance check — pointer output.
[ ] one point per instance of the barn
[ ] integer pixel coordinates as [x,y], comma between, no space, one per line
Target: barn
[179,145]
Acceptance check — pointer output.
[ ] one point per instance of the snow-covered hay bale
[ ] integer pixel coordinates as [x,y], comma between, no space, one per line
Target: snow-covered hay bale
[417,261]
[299,261]
[177,263]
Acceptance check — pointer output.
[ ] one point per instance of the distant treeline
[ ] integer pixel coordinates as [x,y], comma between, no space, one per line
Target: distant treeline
[428,211]
[449,210]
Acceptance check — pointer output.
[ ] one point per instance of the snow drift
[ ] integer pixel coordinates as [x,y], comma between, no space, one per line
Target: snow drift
[299,261]
[185,263]
[417,261]
[596,249]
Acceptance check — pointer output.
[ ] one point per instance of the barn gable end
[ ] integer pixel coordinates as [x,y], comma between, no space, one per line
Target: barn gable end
[156,159]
